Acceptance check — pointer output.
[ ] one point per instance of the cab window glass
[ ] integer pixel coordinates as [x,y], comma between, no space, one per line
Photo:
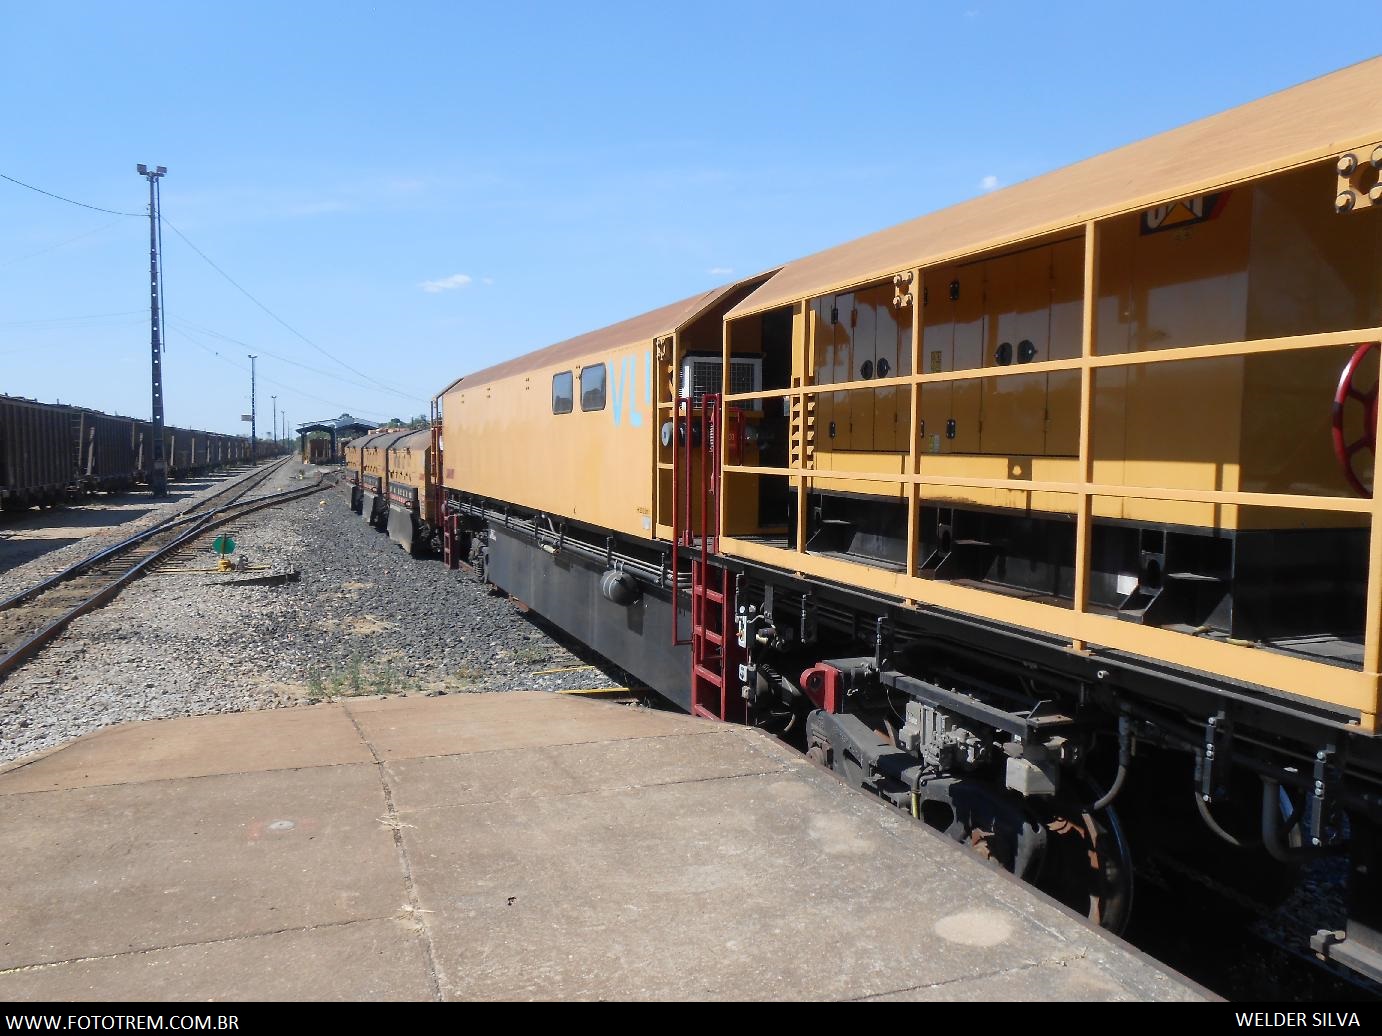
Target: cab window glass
[561,393]
[593,387]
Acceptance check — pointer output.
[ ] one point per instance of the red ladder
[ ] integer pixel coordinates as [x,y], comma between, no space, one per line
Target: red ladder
[715,650]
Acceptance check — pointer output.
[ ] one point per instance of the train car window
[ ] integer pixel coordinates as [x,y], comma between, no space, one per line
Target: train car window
[562,396]
[593,387]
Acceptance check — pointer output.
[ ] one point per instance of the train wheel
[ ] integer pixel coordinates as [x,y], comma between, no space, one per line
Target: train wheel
[1087,865]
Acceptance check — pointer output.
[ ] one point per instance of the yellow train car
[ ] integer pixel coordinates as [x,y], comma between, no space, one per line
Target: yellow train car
[411,518]
[1035,515]
[351,451]
[374,482]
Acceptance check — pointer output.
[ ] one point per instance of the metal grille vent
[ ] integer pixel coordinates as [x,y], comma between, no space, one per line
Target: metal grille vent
[702,374]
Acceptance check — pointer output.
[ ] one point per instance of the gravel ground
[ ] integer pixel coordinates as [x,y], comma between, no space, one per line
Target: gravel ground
[363,618]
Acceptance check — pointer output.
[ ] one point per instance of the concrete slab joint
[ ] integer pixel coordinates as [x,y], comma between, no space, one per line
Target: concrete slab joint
[502,846]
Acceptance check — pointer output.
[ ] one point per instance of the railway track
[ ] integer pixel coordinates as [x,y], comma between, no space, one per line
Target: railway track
[35,616]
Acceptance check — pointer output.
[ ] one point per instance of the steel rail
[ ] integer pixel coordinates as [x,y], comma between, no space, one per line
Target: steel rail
[206,521]
[79,567]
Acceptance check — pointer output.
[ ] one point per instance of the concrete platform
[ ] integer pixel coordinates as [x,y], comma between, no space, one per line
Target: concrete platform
[503,846]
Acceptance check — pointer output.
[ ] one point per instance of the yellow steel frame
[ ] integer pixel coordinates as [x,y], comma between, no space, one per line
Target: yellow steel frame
[1315,681]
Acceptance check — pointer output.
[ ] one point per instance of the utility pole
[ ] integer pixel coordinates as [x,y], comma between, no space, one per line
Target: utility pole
[253,412]
[275,399]
[158,471]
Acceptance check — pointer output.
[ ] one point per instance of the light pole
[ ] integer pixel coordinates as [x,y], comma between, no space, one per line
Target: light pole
[158,470]
[275,399]
[253,413]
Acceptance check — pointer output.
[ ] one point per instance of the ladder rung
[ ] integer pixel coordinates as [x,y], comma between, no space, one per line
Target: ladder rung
[713,595]
[709,676]
[713,637]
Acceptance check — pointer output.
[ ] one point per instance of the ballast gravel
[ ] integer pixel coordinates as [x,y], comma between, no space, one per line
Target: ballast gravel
[360,617]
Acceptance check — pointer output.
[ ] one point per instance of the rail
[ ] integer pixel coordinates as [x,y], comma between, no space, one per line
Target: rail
[238,489]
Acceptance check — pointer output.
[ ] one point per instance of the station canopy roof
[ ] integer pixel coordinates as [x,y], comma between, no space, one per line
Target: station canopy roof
[343,425]
[1315,120]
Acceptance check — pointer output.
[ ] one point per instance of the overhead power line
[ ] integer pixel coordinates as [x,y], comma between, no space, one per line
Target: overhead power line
[190,325]
[70,201]
[195,340]
[60,244]
[375,382]
[329,355]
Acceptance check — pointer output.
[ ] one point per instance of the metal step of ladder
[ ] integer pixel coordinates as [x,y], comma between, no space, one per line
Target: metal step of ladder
[715,650]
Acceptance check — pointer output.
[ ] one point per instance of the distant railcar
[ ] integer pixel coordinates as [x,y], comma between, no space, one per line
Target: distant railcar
[353,464]
[317,451]
[104,451]
[411,519]
[374,462]
[374,475]
[178,451]
[37,458]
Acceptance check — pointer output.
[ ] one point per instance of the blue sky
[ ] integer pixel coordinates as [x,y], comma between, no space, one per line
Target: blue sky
[419,190]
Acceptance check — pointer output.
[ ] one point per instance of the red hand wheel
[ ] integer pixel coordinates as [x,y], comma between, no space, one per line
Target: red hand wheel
[1367,440]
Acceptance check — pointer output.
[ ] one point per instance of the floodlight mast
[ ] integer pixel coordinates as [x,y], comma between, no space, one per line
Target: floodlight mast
[158,467]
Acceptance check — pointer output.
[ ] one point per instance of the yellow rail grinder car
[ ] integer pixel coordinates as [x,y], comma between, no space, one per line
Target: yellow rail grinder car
[411,519]
[1044,517]
[374,481]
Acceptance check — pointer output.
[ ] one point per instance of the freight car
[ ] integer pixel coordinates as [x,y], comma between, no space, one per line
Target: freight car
[104,450]
[51,453]
[1047,518]
[36,453]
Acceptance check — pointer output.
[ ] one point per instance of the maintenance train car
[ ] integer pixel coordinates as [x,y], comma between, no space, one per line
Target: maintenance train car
[317,451]
[352,453]
[373,475]
[1047,518]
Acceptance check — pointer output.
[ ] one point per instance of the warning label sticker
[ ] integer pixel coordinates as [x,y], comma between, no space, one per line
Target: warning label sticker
[1184,213]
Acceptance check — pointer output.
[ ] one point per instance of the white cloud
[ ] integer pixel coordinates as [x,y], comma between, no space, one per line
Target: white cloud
[720,271]
[486,280]
[456,280]
[989,183]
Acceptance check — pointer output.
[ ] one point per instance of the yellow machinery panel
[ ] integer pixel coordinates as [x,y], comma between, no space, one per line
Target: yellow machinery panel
[863,331]
[823,371]
[841,315]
